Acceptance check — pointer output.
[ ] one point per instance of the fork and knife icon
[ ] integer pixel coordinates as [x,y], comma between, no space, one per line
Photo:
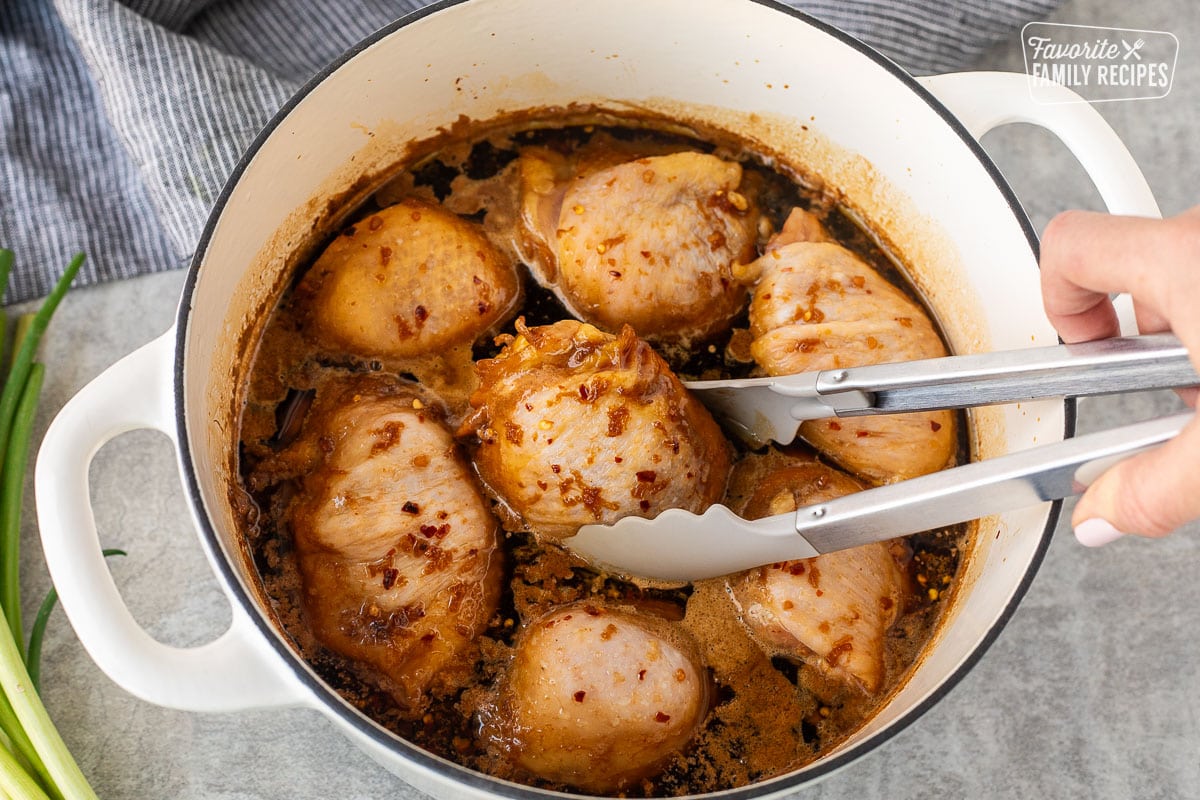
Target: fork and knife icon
[1132,49]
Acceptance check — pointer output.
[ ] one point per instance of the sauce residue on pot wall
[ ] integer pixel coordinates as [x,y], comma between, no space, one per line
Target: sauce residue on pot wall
[769,713]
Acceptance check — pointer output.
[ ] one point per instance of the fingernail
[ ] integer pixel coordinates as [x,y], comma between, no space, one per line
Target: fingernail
[1096,533]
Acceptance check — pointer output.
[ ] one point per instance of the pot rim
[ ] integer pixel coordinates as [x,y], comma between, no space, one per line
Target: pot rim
[329,700]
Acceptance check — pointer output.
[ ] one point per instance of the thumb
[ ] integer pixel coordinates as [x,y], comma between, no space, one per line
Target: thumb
[1150,494]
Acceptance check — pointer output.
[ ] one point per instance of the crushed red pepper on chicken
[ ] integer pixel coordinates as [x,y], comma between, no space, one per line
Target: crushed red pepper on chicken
[834,610]
[598,697]
[397,547]
[817,306]
[408,280]
[576,426]
[649,243]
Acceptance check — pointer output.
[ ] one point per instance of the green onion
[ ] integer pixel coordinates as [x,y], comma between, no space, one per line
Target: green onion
[35,764]
[15,781]
[23,359]
[27,705]
[33,657]
[12,484]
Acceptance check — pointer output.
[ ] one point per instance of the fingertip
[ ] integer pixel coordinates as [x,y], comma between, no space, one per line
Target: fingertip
[1096,532]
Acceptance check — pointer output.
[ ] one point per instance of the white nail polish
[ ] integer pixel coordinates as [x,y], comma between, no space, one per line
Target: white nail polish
[1096,533]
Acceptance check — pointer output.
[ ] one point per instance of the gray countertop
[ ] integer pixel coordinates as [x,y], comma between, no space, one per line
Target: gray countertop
[1090,691]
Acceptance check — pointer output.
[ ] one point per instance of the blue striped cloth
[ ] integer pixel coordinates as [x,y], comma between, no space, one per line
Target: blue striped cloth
[120,121]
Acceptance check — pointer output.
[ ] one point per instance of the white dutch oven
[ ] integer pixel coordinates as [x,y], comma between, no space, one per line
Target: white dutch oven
[903,152]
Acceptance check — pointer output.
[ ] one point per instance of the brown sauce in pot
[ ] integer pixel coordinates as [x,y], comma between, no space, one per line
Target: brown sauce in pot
[769,714]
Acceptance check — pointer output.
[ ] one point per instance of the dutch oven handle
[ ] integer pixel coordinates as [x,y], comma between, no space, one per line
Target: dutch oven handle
[986,100]
[238,670]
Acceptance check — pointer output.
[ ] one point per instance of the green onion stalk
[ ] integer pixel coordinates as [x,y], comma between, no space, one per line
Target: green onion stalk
[35,763]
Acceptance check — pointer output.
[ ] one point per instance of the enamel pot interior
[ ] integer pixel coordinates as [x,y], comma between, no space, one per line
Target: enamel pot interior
[801,90]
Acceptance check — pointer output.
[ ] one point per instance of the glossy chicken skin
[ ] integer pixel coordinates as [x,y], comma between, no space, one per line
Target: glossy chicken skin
[832,611]
[577,426]
[818,306]
[650,243]
[596,698]
[397,546]
[409,280]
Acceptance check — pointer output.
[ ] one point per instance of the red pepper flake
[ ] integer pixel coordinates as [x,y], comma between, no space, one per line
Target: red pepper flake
[514,432]
[618,459]
[834,425]
[842,647]
[617,418]
[402,328]
[580,695]
[420,314]
[644,505]
[934,425]
[556,468]
[410,507]
[390,574]
[862,434]
[647,476]
[615,273]
[641,674]
[661,717]
[806,345]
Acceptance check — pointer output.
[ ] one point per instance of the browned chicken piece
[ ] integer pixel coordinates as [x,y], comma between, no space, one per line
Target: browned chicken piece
[409,280]
[818,306]
[396,545]
[577,426]
[832,611]
[650,243]
[597,698]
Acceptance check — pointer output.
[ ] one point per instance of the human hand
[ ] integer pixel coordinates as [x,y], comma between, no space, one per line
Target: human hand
[1085,257]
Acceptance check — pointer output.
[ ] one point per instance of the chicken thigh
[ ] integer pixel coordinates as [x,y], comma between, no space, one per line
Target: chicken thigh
[650,243]
[397,547]
[832,611]
[577,426]
[818,306]
[407,281]
[597,698]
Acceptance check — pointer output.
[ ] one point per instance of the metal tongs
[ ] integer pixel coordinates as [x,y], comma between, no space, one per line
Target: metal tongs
[680,545]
